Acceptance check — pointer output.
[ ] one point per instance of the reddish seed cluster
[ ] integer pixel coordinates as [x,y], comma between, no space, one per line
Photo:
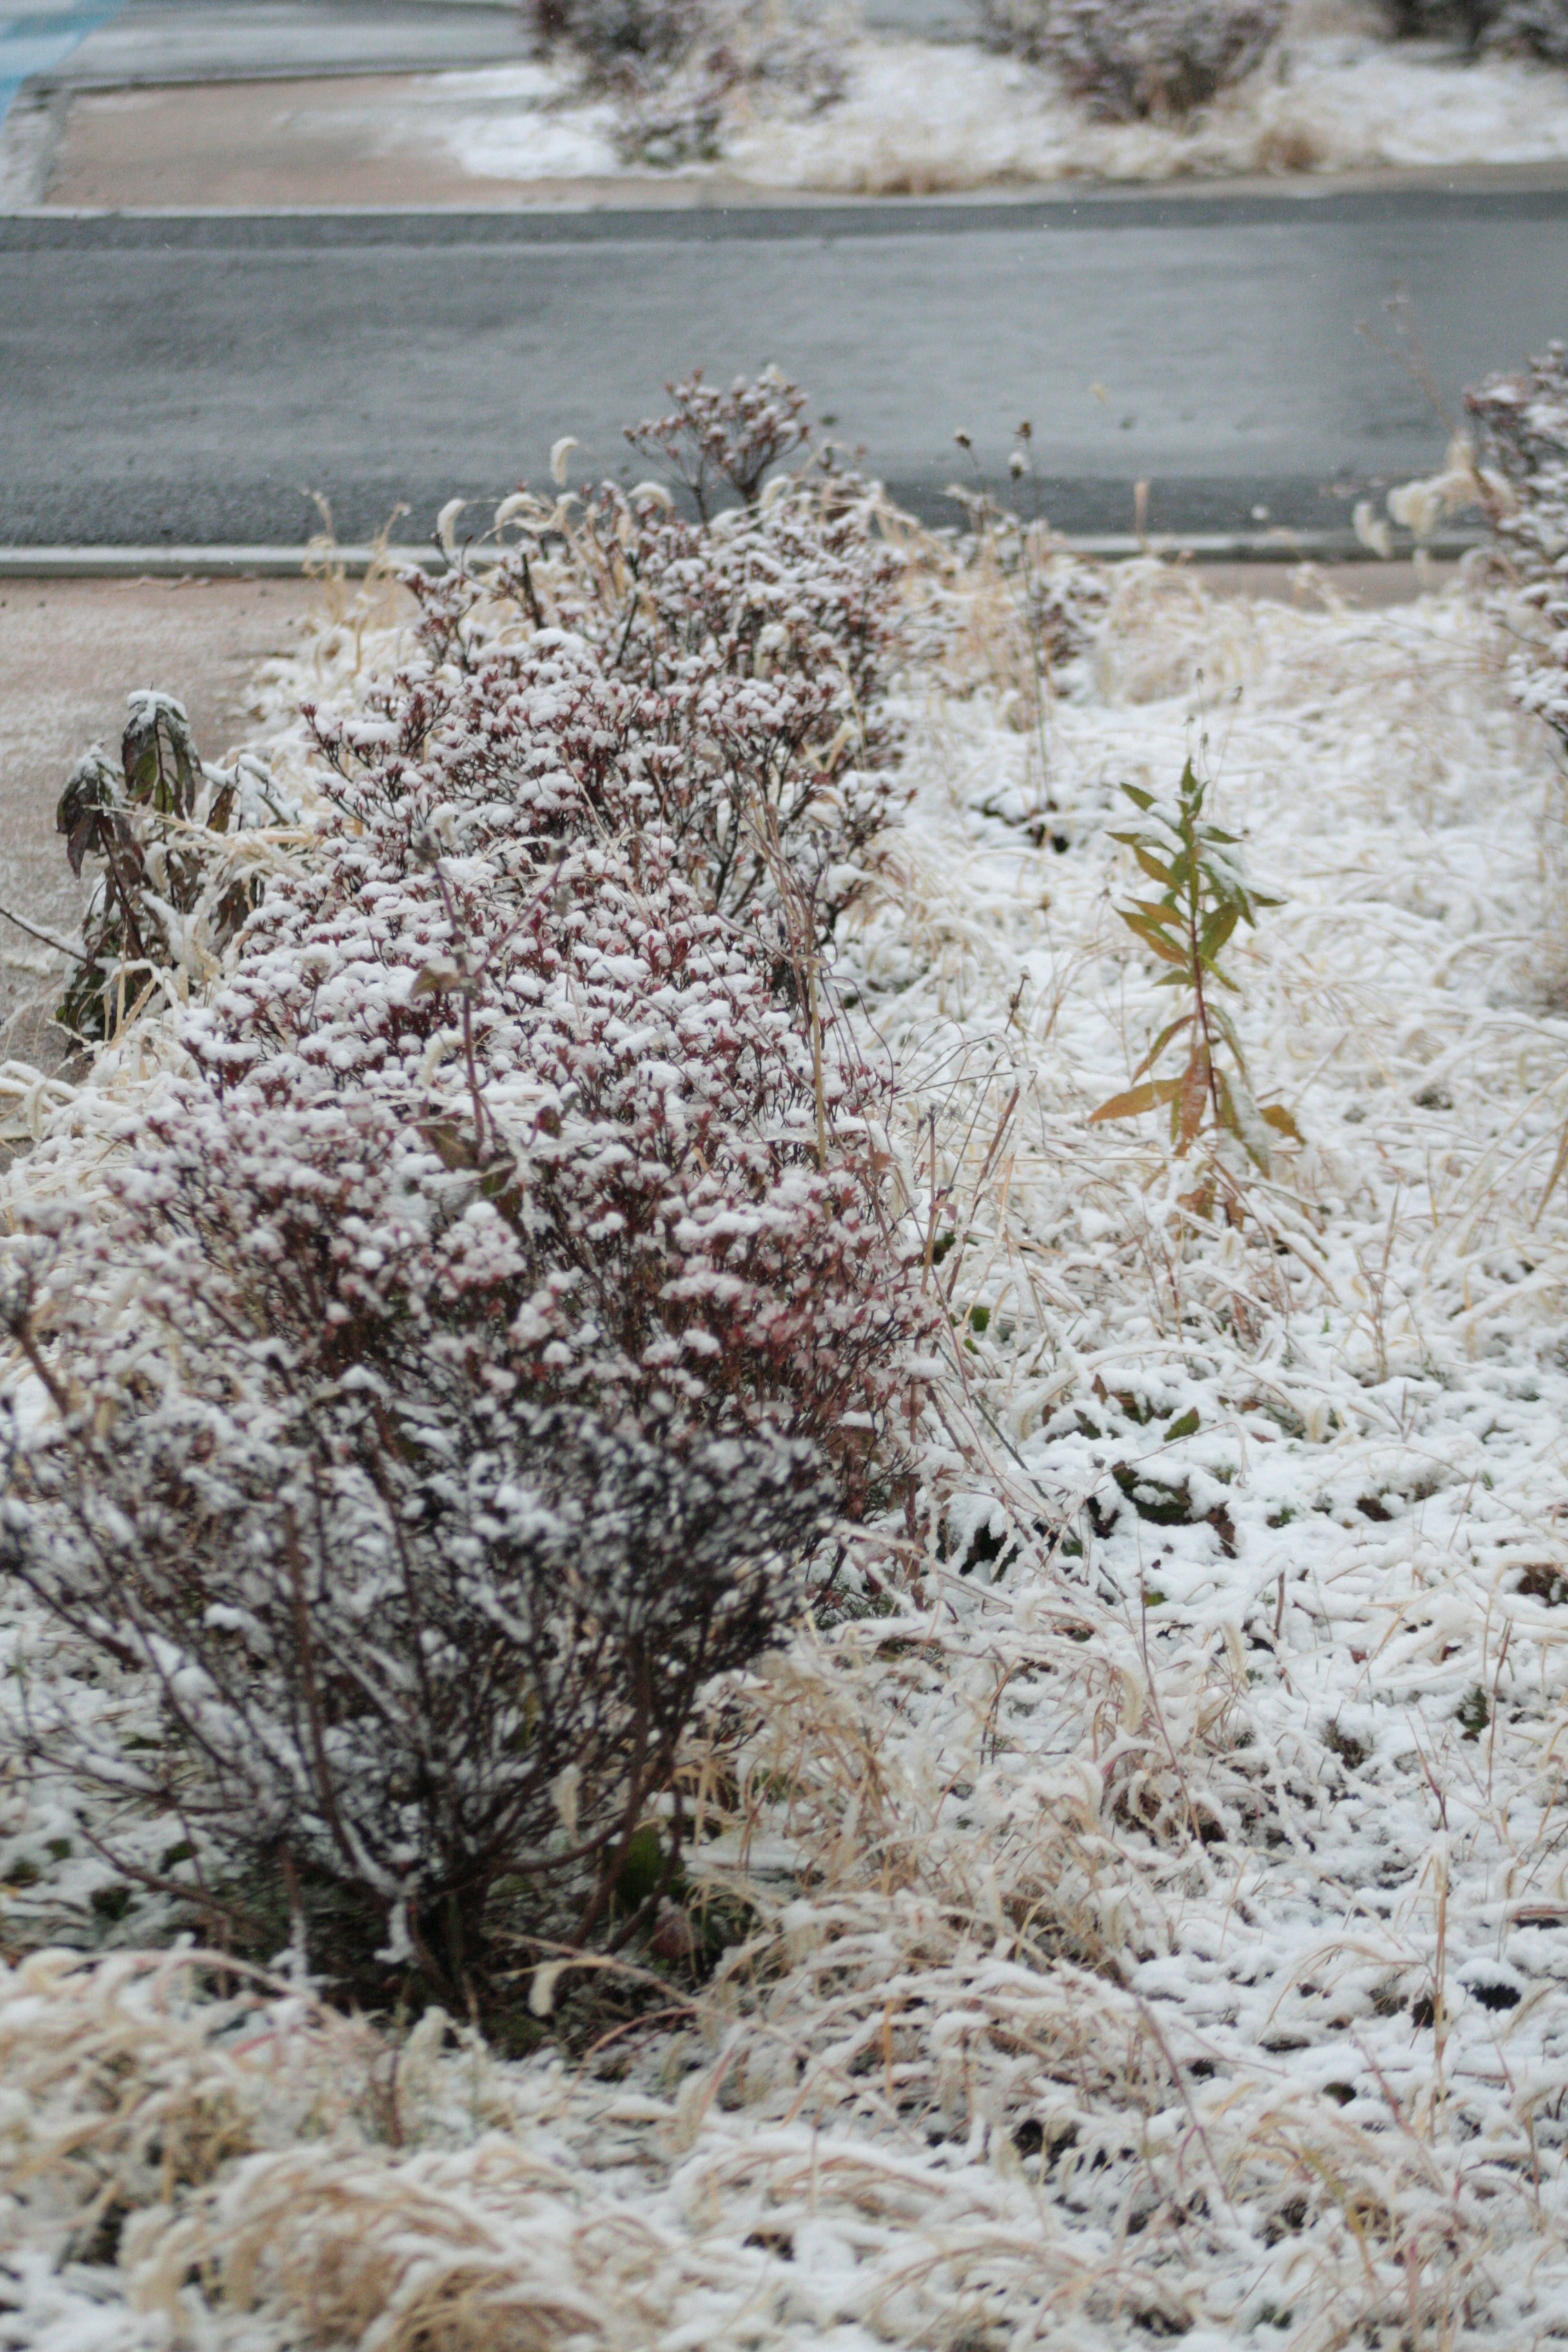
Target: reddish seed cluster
[746,666]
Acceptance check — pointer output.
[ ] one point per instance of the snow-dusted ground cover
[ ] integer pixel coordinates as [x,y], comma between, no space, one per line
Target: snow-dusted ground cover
[918,118]
[1159,1930]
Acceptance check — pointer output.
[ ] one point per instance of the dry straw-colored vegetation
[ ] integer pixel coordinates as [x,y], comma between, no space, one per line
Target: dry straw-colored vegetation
[1126,1906]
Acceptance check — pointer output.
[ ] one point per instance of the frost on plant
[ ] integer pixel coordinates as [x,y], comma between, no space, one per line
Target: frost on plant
[1203,897]
[176,882]
[468,1342]
[734,437]
[675,65]
[743,659]
[1139,58]
[1522,470]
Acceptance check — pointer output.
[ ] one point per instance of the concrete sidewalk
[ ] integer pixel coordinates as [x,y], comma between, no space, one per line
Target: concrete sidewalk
[329,143]
[70,651]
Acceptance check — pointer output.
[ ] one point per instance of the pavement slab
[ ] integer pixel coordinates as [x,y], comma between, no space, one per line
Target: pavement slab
[70,651]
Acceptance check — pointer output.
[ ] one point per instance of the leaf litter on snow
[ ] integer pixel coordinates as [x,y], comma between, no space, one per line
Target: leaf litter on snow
[1159,1915]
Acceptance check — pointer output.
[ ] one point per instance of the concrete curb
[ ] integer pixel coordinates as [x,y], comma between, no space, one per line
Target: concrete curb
[289,562]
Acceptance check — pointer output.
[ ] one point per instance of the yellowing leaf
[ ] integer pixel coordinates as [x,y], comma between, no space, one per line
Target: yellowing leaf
[1136,1101]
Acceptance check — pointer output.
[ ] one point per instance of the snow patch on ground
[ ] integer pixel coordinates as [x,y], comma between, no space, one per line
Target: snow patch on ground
[507,123]
[920,119]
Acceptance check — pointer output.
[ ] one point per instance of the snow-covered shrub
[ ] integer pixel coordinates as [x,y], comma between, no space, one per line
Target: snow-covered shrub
[491,1315]
[176,882]
[746,658]
[466,1341]
[408,1632]
[1136,58]
[1536,28]
[674,65]
[1522,473]
[499,942]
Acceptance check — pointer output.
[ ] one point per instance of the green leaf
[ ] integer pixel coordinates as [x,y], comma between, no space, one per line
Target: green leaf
[1171,1029]
[1162,947]
[1152,865]
[1139,798]
[1186,1426]
[1216,932]
[1223,1024]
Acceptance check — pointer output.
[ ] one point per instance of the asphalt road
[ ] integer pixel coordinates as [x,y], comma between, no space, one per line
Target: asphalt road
[192,380]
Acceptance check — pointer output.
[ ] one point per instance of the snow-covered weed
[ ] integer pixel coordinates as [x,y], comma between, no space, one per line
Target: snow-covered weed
[182,847]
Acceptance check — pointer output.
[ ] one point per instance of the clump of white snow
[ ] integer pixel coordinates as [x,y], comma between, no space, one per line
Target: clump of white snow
[918,120]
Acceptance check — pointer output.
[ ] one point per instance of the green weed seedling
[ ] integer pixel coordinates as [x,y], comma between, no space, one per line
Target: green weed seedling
[1203,897]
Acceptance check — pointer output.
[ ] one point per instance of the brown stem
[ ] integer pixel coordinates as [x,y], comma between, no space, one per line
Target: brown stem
[312,1701]
[1202,1004]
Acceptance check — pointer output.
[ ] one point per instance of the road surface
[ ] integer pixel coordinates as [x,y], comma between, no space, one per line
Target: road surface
[193,380]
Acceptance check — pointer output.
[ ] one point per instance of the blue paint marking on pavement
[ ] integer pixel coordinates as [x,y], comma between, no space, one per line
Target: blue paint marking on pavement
[36,42]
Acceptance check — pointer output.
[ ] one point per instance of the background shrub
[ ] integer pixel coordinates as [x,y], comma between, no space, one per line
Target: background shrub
[1523,465]
[1526,27]
[1535,28]
[1136,58]
[674,64]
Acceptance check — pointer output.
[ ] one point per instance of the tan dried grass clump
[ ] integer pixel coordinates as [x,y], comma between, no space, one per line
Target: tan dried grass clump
[133,2078]
[1102,1970]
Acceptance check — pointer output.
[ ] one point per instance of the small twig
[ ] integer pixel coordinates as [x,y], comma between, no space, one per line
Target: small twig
[75,949]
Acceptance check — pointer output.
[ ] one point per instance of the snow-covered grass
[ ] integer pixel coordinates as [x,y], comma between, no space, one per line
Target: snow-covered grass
[918,118]
[1160,1930]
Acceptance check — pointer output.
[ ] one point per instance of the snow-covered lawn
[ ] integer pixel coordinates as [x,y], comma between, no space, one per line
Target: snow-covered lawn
[1168,1936]
[918,119]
